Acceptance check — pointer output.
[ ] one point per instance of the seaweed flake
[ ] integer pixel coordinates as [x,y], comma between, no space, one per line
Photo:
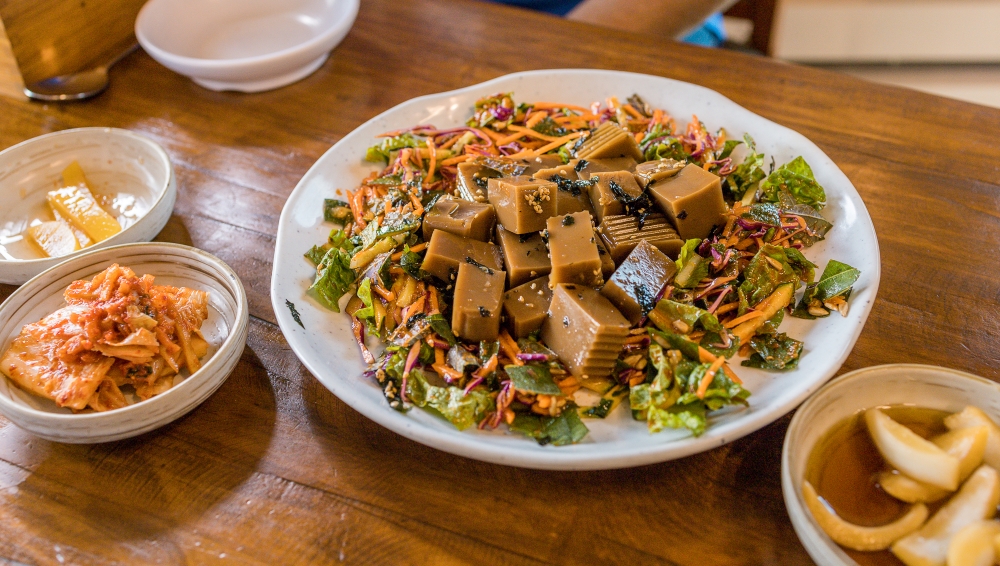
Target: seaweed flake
[295,312]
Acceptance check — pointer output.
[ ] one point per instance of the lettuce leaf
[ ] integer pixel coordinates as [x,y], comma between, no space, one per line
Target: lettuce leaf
[381,150]
[532,379]
[565,429]
[794,179]
[748,173]
[691,267]
[334,278]
[460,408]
[837,280]
[670,400]
[774,351]
[689,315]
[762,276]
[366,313]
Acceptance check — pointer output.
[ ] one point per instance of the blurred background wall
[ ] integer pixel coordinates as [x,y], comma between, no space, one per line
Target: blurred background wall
[946,47]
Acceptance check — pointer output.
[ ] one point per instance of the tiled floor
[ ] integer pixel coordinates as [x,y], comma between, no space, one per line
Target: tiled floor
[972,83]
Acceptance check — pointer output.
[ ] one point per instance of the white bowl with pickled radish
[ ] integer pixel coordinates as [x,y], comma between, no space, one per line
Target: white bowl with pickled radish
[225,330]
[130,176]
[906,385]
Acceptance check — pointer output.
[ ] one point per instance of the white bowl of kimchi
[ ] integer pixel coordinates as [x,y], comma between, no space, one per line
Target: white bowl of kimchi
[130,173]
[223,330]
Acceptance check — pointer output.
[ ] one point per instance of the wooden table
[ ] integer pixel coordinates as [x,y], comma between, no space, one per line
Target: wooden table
[274,469]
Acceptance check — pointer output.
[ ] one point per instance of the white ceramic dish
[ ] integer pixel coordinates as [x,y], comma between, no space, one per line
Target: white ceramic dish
[116,162]
[172,264]
[243,45]
[895,384]
[326,346]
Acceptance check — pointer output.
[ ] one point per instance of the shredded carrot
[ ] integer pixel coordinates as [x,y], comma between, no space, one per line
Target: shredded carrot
[741,319]
[547,148]
[447,373]
[451,141]
[635,113]
[438,357]
[456,160]
[559,105]
[726,308]
[636,338]
[511,138]
[433,297]
[493,135]
[509,347]
[418,208]
[387,295]
[417,248]
[709,376]
[536,117]
[414,308]
[533,133]
[433,165]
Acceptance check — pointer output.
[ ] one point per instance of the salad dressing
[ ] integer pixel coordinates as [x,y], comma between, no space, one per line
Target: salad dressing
[843,467]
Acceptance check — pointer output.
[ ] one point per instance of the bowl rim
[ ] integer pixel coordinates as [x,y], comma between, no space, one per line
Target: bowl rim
[791,491]
[143,20]
[214,364]
[162,192]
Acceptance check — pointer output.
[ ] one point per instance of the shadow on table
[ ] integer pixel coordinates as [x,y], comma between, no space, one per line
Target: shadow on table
[131,490]
[175,231]
[618,516]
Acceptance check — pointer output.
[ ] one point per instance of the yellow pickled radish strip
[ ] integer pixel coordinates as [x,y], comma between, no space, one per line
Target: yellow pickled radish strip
[76,203]
[54,238]
[81,237]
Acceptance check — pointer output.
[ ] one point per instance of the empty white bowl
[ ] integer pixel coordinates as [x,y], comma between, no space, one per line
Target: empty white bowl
[895,384]
[116,162]
[243,45]
[171,264]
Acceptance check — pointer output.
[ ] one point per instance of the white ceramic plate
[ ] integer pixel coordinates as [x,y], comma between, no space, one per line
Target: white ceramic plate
[171,264]
[243,45]
[326,346]
[119,163]
[895,384]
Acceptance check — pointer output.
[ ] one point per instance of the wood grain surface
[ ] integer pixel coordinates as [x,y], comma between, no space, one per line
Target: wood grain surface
[274,469]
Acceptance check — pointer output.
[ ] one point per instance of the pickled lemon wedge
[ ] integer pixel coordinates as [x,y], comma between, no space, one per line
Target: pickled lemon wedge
[967,444]
[857,537]
[972,416]
[916,457]
[976,501]
[909,490]
[973,545]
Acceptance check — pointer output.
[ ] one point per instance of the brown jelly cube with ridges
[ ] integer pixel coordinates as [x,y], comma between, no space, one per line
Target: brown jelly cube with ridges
[522,204]
[445,251]
[609,140]
[621,234]
[585,330]
[573,250]
[525,256]
[526,306]
[461,217]
[475,311]
[692,201]
[638,280]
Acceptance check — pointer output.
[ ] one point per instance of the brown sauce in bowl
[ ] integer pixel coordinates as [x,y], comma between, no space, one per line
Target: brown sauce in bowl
[843,467]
